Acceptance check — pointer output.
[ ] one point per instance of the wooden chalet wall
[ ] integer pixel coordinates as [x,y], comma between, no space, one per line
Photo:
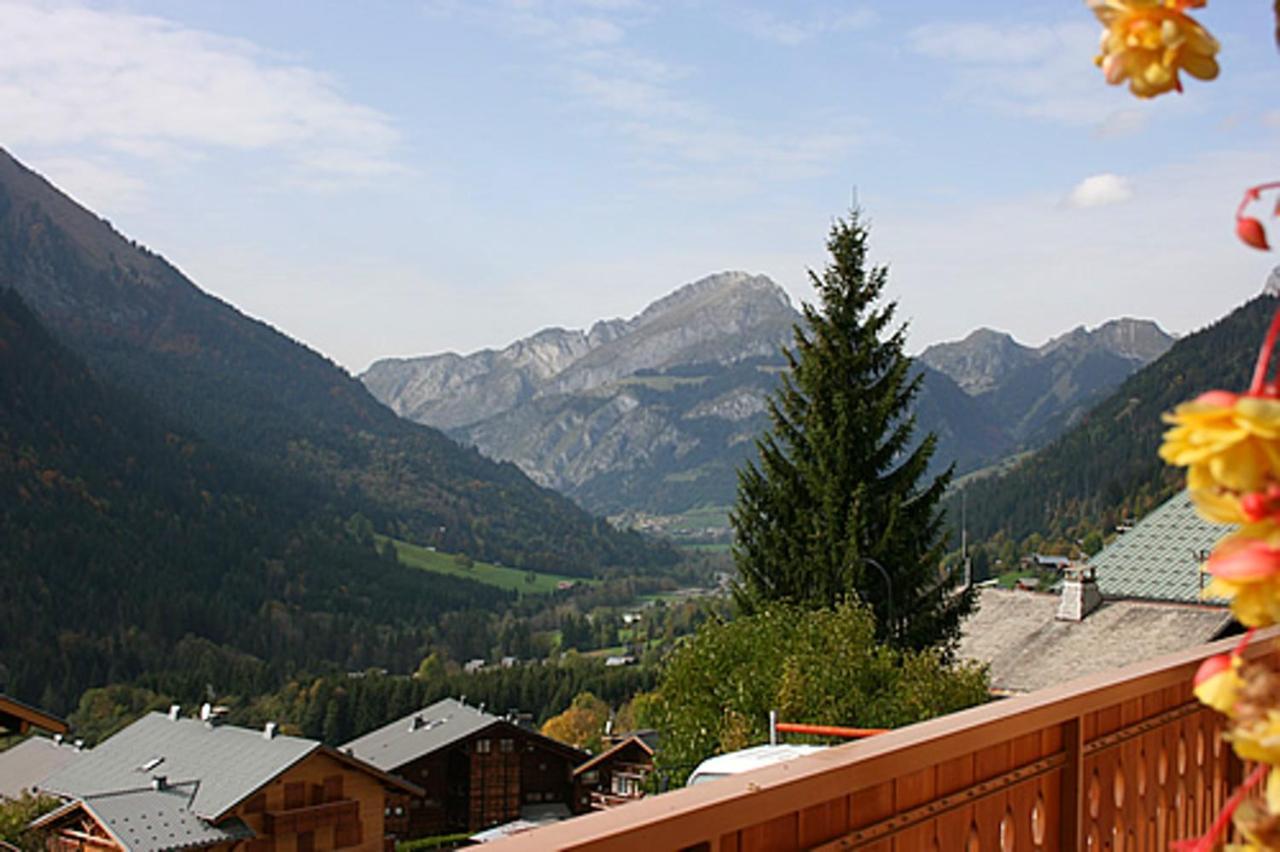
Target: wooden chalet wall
[318,804]
[481,781]
[79,832]
[616,778]
[495,779]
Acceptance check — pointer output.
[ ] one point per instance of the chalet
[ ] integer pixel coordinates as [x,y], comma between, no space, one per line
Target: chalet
[1136,599]
[167,783]
[1047,562]
[476,770]
[19,718]
[615,776]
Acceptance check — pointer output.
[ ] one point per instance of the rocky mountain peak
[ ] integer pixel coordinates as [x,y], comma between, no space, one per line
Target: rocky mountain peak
[986,358]
[720,293]
[1135,339]
[722,318]
[980,361]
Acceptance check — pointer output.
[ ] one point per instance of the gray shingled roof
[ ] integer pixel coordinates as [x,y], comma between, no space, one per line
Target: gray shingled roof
[24,766]
[1157,559]
[229,763]
[420,733]
[1027,648]
[150,820]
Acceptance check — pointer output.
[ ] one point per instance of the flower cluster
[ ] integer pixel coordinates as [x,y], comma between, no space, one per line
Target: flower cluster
[1230,445]
[1148,42]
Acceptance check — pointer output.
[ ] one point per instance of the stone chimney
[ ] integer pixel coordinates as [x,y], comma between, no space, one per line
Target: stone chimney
[1080,595]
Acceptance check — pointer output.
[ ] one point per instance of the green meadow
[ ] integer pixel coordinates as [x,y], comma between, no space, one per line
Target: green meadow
[513,579]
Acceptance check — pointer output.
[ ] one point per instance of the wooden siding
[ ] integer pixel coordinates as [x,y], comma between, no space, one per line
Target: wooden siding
[468,788]
[320,801]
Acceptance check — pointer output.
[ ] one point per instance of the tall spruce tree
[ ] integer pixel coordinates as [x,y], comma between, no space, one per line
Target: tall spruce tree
[839,488]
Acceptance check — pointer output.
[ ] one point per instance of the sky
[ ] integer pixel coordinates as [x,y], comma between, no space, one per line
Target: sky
[397,178]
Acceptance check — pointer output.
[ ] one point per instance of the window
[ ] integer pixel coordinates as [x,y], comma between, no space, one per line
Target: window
[591,778]
[506,746]
[483,746]
[333,788]
[256,805]
[295,795]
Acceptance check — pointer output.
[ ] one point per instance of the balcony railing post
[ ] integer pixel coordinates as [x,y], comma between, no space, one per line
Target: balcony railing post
[1071,803]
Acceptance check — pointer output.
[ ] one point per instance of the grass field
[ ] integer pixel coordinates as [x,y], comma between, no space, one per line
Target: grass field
[512,579]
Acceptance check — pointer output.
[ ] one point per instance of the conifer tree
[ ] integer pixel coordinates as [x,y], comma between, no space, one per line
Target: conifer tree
[840,487]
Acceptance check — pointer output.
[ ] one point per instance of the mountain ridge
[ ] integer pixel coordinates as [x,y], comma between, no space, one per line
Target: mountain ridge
[658,414]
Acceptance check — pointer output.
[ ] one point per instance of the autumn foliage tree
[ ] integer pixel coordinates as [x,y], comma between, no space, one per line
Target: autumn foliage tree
[582,725]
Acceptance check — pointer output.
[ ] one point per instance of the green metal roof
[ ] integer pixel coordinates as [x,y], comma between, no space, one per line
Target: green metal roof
[1159,559]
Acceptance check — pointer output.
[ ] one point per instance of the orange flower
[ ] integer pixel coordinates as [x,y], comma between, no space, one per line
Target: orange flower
[1148,42]
[1246,570]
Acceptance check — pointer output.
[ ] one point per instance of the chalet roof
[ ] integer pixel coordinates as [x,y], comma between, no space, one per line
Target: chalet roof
[1028,648]
[630,742]
[24,766]
[418,734]
[149,820]
[229,762]
[430,729]
[19,717]
[1159,559]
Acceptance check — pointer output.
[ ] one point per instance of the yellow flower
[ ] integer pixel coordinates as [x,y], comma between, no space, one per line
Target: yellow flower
[1259,741]
[1231,445]
[1217,683]
[1147,42]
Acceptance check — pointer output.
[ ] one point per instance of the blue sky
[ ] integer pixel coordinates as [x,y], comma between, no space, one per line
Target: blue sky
[393,178]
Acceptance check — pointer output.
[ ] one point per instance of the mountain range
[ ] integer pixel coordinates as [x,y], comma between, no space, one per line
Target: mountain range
[654,414]
[1104,469]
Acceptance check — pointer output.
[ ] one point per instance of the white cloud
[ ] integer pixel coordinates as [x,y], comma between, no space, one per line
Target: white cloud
[679,141]
[1039,71]
[1101,190]
[149,88]
[792,31]
[985,44]
[97,185]
[1123,123]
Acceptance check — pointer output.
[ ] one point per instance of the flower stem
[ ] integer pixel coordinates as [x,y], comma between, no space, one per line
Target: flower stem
[1205,842]
[1248,636]
[1256,388]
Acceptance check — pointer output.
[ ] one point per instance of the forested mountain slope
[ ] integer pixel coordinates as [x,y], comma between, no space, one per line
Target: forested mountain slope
[245,388]
[1105,468]
[128,546]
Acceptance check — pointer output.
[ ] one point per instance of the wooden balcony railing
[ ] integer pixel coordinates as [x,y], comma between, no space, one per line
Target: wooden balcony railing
[1124,760]
[310,817]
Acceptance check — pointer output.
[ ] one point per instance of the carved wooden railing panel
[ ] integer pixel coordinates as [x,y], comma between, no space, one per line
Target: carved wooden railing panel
[1126,760]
